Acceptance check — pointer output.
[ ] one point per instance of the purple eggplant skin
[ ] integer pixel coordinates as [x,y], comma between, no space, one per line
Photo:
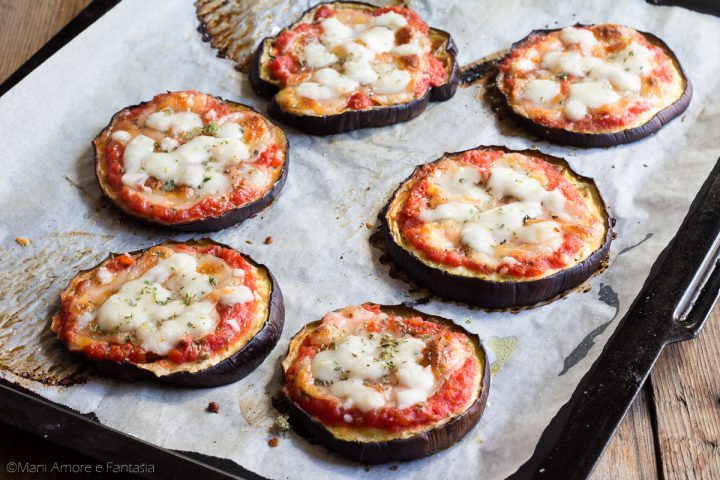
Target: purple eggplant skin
[599,140]
[210,223]
[418,446]
[354,119]
[229,370]
[493,294]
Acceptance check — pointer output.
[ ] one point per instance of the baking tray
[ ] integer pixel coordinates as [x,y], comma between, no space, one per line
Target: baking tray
[672,306]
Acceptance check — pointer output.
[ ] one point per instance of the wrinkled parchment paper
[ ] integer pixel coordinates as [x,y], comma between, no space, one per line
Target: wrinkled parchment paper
[320,251]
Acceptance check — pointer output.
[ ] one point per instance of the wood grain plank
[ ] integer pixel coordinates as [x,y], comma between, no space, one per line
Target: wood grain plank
[631,453]
[26,25]
[686,391]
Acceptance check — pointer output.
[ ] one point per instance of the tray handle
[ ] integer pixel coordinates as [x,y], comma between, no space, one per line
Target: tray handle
[698,301]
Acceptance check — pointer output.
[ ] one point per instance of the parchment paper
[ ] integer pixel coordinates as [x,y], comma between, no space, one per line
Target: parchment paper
[320,251]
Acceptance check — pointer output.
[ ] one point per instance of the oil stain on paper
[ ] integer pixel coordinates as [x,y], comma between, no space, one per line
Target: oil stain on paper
[29,296]
[503,348]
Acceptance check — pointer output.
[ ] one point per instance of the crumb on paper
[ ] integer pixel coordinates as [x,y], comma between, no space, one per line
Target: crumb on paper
[249,242]
[22,241]
[268,240]
[369,226]
[213,407]
[274,442]
[281,426]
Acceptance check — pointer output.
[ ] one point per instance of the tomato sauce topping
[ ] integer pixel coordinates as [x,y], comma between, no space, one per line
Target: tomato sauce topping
[287,67]
[452,397]
[176,206]
[234,320]
[522,263]
[657,89]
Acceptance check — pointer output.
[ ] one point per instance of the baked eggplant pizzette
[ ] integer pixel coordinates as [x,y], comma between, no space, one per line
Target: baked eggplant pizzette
[191,161]
[196,314]
[593,86]
[497,228]
[349,65]
[381,384]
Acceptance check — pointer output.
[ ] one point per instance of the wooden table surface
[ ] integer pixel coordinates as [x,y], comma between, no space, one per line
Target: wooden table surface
[672,431]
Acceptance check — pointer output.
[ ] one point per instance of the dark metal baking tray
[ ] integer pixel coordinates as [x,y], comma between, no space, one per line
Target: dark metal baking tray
[672,306]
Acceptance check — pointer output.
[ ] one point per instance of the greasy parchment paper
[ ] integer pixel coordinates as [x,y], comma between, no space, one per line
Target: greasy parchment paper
[320,251]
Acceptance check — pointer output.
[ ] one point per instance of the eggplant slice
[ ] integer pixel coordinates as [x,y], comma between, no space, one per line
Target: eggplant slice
[93,320]
[443,49]
[370,444]
[244,167]
[512,281]
[625,73]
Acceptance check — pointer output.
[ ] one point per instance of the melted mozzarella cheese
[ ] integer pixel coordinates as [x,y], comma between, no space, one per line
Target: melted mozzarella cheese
[418,381]
[176,122]
[315,91]
[359,358]
[525,65]
[617,76]
[254,175]
[104,276]
[352,51]
[608,80]
[414,47]
[358,63]
[541,91]
[378,39]
[593,94]
[391,20]
[317,56]
[231,130]
[564,62]
[327,84]
[541,232]
[354,391]
[575,110]
[498,225]
[84,319]
[169,143]
[156,315]
[166,304]
[573,63]
[334,31]
[636,58]
[120,136]
[459,212]
[337,82]
[437,238]
[484,230]
[236,294]
[572,36]
[463,182]
[391,80]
[199,163]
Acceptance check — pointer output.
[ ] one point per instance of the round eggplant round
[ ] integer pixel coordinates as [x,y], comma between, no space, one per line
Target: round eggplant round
[128,358]
[203,197]
[372,445]
[266,86]
[495,291]
[584,137]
